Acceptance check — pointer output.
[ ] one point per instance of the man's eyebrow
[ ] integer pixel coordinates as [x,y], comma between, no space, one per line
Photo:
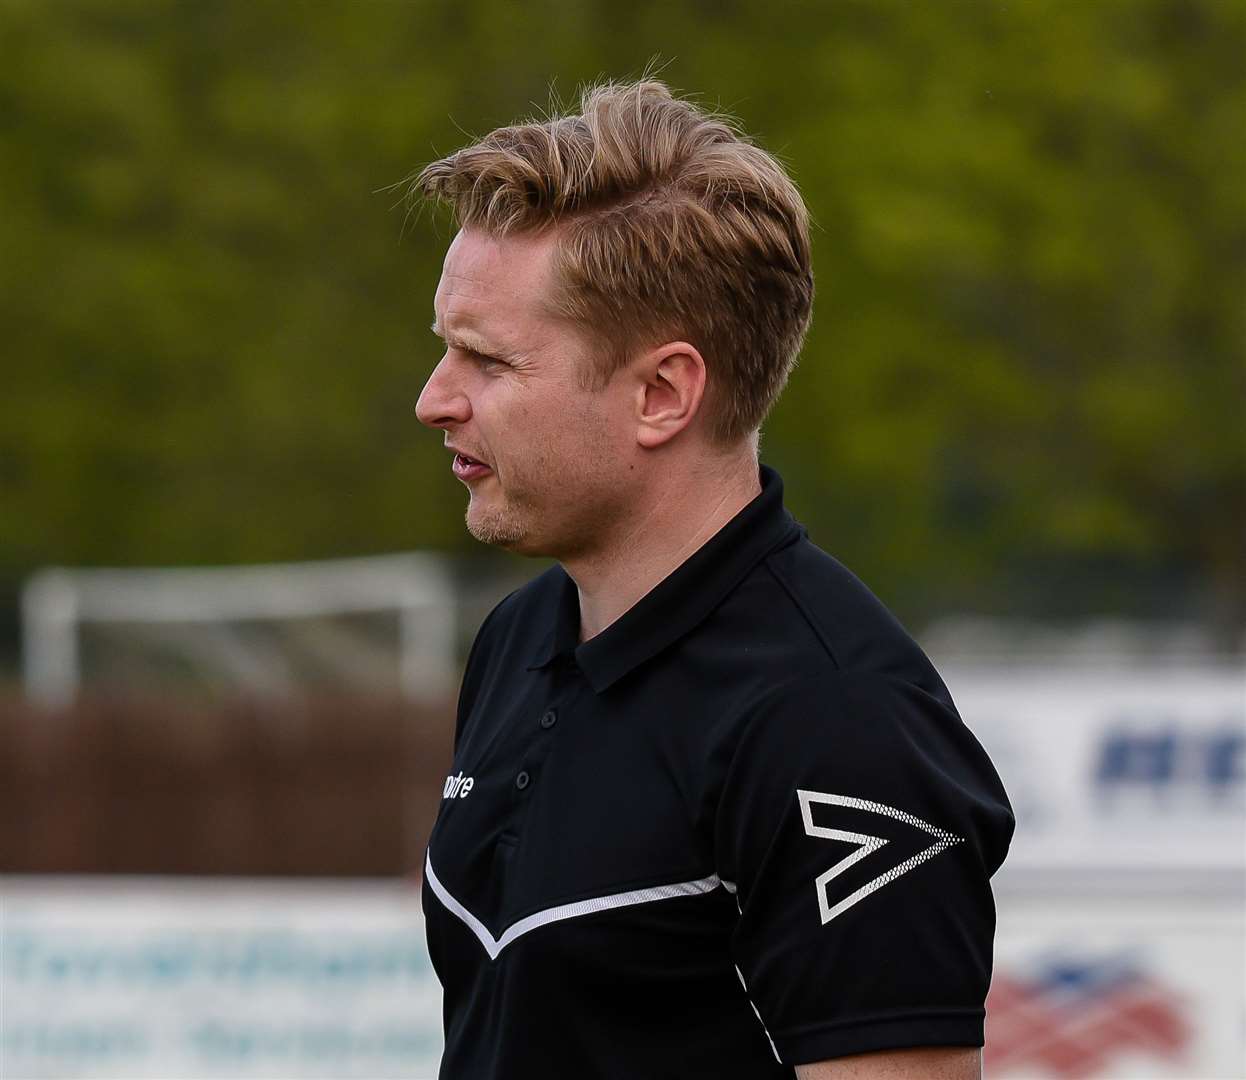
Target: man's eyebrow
[470,343]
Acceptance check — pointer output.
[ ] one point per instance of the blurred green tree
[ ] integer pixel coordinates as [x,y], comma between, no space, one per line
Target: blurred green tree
[1024,384]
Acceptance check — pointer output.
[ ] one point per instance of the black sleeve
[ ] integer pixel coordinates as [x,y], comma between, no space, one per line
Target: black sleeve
[860,822]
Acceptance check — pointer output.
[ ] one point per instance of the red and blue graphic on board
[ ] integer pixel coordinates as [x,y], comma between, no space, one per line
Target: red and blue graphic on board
[1072,1016]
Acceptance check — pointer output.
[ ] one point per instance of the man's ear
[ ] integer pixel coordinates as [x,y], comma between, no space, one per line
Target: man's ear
[671,386]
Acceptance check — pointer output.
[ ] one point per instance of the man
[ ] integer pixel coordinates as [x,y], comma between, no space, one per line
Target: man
[711,812]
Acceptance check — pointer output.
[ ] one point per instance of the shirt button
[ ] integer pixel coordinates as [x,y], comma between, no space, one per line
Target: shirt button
[549,719]
[522,780]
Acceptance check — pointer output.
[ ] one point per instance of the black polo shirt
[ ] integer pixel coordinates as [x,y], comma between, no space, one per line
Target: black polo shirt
[740,829]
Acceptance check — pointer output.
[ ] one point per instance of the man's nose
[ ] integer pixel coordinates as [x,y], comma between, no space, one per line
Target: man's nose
[442,402]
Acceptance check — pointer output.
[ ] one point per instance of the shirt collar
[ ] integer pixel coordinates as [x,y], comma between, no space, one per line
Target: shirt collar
[676,604]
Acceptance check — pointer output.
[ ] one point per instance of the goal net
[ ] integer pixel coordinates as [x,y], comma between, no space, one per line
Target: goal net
[377,625]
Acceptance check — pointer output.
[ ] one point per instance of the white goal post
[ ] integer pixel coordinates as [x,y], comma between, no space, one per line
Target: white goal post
[202,610]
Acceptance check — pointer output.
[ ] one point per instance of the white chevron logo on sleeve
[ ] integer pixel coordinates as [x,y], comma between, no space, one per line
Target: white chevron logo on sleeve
[866,846]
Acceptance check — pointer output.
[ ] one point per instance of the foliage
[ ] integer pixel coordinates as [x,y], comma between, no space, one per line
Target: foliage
[1026,359]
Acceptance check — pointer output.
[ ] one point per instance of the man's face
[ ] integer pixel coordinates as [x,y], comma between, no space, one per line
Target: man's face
[553,473]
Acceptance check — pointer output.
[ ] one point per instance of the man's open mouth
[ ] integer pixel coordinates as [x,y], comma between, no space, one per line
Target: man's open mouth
[468,468]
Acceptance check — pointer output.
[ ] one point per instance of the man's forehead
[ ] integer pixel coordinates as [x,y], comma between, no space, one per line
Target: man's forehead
[488,284]
[499,265]
[469,315]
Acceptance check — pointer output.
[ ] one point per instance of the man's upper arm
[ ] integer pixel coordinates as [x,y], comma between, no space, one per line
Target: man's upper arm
[930,1063]
[860,822]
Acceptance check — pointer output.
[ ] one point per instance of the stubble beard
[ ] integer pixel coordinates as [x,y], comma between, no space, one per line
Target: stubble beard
[504,521]
[563,516]
[514,526]
[500,527]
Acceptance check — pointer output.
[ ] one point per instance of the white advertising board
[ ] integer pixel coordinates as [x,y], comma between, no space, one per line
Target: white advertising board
[200,979]
[212,978]
[1139,773]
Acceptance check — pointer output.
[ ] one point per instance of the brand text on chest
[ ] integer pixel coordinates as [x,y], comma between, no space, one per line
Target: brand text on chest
[457,787]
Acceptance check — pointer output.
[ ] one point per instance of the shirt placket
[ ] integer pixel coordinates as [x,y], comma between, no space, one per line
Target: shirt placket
[540,728]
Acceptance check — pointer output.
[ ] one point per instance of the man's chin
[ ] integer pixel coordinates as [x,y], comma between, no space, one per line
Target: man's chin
[508,534]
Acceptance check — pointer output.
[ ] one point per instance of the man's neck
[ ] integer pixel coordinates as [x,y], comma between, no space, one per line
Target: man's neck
[678,520]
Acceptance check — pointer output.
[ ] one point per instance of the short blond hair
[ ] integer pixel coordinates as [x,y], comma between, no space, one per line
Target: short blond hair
[671,224]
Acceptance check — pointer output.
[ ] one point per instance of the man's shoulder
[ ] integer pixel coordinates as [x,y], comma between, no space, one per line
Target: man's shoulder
[507,632]
[537,598]
[541,593]
[855,631]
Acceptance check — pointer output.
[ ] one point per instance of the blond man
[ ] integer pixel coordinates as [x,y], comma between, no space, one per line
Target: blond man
[712,812]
